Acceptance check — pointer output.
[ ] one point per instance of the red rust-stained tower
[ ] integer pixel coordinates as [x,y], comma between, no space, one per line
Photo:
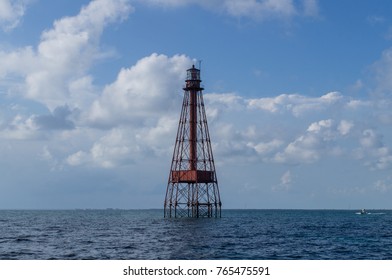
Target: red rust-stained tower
[192,189]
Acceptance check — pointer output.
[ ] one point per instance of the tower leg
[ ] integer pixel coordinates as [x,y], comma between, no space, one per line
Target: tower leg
[189,200]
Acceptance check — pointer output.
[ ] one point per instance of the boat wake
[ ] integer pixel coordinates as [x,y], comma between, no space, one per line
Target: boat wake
[370,213]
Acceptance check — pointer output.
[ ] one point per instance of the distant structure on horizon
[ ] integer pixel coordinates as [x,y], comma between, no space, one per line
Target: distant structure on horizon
[192,188]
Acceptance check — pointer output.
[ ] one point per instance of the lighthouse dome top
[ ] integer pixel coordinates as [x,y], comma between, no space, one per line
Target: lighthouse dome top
[193,74]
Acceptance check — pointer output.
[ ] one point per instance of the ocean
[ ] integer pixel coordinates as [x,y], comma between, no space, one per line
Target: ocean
[239,234]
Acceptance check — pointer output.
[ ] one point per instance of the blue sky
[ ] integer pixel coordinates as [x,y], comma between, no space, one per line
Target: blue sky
[297,92]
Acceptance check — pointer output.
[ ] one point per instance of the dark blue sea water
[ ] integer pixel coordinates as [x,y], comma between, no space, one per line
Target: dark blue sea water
[239,234]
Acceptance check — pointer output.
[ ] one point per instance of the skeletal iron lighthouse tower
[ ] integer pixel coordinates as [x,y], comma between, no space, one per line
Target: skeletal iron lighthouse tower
[192,189]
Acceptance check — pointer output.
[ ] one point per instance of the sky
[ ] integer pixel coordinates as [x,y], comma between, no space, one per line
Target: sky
[297,95]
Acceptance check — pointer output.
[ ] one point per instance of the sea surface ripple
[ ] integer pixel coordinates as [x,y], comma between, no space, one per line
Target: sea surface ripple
[239,234]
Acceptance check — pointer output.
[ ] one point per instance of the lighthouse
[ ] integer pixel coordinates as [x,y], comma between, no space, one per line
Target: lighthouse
[192,188]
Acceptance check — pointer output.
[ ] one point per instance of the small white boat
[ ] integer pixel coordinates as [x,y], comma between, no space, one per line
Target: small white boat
[363,212]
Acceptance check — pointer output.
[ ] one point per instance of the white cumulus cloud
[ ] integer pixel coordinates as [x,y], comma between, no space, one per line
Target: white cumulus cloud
[345,127]
[11,12]
[107,152]
[382,73]
[253,9]
[373,150]
[295,104]
[56,72]
[146,90]
[321,138]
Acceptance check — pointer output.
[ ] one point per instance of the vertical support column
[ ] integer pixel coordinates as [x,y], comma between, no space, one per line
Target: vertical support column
[192,130]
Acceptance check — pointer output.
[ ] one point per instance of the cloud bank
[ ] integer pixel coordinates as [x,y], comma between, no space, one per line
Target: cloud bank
[135,115]
[253,9]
